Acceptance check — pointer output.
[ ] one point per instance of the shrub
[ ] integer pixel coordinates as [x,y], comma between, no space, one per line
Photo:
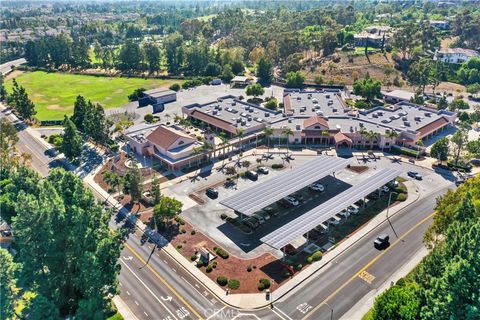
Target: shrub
[179,246]
[214,264]
[183,231]
[222,253]
[223,216]
[200,263]
[362,104]
[272,104]
[246,163]
[249,268]
[192,83]
[221,280]
[286,273]
[309,259]
[175,87]
[319,79]
[193,257]
[405,151]
[298,267]
[317,255]
[148,118]
[137,94]
[277,166]
[209,269]
[401,197]
[233,284]
[263,284]
[193,232]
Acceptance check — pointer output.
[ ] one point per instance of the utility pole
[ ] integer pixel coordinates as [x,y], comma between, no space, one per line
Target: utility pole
[331,310]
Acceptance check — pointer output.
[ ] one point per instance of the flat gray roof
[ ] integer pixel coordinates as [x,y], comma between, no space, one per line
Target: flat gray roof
[306,222]
[267,192]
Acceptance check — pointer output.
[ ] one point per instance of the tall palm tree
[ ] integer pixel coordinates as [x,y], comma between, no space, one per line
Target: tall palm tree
[371,135]
[223,144]
[363,133]
[393,135]
[287,132]
[268,132]
[240,133]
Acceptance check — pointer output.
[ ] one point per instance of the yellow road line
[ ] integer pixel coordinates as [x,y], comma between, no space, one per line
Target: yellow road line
[164,281]
[367,266]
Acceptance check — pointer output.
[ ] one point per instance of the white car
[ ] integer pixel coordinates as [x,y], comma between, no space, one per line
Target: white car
[344,213]
[317,187]
[352,210]
[294,202]
[334,220]
[385,189]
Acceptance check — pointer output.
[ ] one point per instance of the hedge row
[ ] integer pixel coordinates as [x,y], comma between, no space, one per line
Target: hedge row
[222,253]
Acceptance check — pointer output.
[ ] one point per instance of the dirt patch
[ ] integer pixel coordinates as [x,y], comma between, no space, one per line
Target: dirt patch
[118,91]
[54,107]
[265,266]
[14,74]
[37,95]
[358,169]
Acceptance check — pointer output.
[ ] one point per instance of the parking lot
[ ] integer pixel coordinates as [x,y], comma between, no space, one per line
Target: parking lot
[206,217]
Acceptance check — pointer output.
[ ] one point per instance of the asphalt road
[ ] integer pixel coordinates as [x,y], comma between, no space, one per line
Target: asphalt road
[6,67]
[162,289]
[361,268]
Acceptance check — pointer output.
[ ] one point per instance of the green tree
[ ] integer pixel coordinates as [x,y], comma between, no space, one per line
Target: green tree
[72,141]
[3,91]
[7,284]
[8,139]
[319,79]
[265,69]
[152,56]
[137,94]
[294,79]
[472,89]
[254,90]
[439,149]
[166,209]
[130,57]
[442,103]
[268,132]
[21,102]
[213,69]
[238,67]
[368,88]
[271,104]
[400,302]
[113,180]
[227,73]
[79,110]
[95,124]
[174,52]
[459,139]
[421,73]
[67,250]
[287,133]
[473,148]
[155,191]
[38,306]
[133,184]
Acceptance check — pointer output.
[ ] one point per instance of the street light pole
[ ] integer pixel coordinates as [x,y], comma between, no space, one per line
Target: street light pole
[331,310]
[388,219]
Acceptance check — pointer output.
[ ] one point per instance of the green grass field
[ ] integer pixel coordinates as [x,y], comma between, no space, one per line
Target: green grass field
[55,93]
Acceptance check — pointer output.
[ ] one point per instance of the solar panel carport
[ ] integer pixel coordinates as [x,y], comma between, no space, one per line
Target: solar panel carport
[267,192]
[306,222]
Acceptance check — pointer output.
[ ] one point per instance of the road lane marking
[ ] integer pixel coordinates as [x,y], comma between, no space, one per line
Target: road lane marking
[145,313]
[216,312]
[366,276]
[174,270]
[128,293]
[197,290]
[136,303]
[369,264]
[149,290]
[164,281]
[275,309]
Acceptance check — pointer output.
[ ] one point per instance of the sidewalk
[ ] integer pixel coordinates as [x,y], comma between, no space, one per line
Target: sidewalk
[257,300]
[123,309]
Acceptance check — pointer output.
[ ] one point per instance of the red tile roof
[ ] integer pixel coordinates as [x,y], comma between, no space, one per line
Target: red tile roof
[164,137]
[340,137]
[315,120]
[435,125]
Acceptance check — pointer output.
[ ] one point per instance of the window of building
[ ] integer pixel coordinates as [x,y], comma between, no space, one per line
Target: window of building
[387,143]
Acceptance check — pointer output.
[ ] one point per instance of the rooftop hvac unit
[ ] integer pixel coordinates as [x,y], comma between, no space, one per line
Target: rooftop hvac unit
[361,124]
[427,114]
[239,120]
[330,102]
[234,103]
[289,120]
[404,118]
[334,110]
[250,109]
[319,113]
[299,98]
[351,128]
[375,115]
[214,112]
[267,114]
[219,100]
[219,113]
[244,122]
[228,109]
[249,118]
[314,100]
[220,108]
[327,96]
[298,127]
[258,120]
[380,113]
[418,119]
[215,107]
[406,123]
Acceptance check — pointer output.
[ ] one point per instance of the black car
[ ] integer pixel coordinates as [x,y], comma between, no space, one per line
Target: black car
[252,175]
[212,193]
[415,175]
[382,241]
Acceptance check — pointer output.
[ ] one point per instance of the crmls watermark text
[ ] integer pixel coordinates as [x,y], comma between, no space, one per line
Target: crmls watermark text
[221,314]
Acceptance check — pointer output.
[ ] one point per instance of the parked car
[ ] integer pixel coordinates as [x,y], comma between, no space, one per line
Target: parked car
[334,220]
[384,189]
[289,249]
[298,196]
[352,209]
[292,201]
[392,184]
[271,211]
[317,187]
[415,175]
[344,213]
[261,220]
[251,223]
[322,228]
[264,215]
[373,196]
[382,241]
[252,175]
[263,170]
[212,193]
